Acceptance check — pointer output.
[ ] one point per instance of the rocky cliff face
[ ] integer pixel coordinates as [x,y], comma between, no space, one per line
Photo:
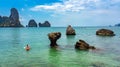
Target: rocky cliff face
[12,20]
[45,24]
[4,21]
[32,23]
[14,16]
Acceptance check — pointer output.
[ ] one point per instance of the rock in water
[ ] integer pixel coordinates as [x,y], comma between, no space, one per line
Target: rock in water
[4,21]
[14,15]
[82,45]
[53,37]
[45,24]
[32,23]
[98,64]
[14,18]
[105,32]
[70,31]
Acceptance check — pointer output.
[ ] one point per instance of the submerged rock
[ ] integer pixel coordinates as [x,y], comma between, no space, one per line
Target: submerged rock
[98,64]
[45,24]
[32,23]
[105,32]
[70,31]
[53,37]
[82,45]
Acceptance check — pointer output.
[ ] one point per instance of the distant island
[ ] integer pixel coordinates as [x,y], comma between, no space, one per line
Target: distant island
[13,21]
[45,24]
[32,23]
[117,24]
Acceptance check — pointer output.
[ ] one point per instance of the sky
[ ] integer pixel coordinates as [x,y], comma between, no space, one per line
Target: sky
[65,12]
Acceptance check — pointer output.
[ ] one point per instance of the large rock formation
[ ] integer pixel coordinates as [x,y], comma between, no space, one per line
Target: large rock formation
[82,45]
[105,32]
[53,37]
[32,23]
[12,20]
[45,24]
[70,31]
[4,21]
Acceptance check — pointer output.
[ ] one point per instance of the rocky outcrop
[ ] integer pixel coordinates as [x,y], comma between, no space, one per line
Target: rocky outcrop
[32,23]
[70,31]
[12,20]
[45,24]
[53,37]
[105,32]
[82,45]
[14,16]
[4,21]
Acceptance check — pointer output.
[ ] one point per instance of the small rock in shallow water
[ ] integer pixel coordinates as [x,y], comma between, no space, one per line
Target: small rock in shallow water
[53,37]
[70,31]
[105,32]
[82,45]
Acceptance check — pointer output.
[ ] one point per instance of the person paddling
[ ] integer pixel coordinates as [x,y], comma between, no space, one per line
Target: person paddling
[27,48]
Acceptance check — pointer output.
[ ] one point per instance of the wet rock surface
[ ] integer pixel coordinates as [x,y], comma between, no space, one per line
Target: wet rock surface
[105,32]
[70,30]
[53,37]
[82,45]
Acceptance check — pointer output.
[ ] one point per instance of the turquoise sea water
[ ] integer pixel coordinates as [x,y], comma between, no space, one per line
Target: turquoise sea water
[13,54]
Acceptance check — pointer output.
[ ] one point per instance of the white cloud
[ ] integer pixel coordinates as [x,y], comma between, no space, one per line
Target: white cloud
[67,5]
[22,20]
[81,12]
[30,16]
[22,9]
[76,5]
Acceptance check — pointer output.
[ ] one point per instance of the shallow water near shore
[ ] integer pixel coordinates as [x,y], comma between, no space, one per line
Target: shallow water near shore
[13,54]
